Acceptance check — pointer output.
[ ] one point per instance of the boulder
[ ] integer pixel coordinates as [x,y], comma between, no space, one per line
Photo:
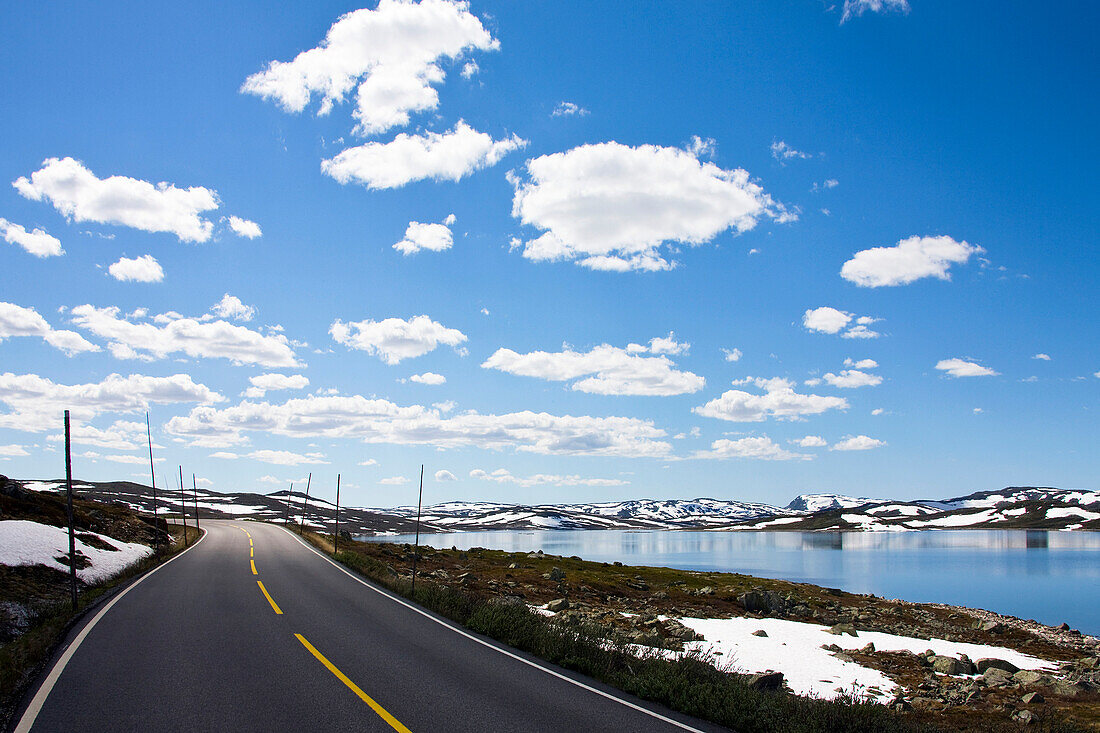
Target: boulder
[1032,698]
[1065,688]
[947,665]
[762,601]
[841,629]
[984,664]
[766,681]
[993,627]
[1024,717]
[1027,677]
[555,573]
[996,677]
[558,604]
[760,632]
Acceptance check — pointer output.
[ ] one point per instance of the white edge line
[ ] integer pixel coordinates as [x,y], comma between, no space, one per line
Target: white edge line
[35,707]
[505,652]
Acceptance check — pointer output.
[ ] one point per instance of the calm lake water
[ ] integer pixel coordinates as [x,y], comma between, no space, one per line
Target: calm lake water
[1048,576]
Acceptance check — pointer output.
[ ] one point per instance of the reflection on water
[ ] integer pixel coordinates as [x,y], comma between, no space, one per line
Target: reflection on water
[1049,576]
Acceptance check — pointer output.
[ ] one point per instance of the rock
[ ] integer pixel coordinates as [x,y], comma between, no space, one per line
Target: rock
[766,681]
[554,574]
[14,489]
[508,601]
[1024,716]
[558,604]
[1032,698]
[984,664]
[841,629]
[831,648]
[760,632]
[993,627]
[1063,626]
[1065,688]
[869,648]
[947,665]
[996,677]
[705,591]
[513,566]
[1027,677]
[762,601]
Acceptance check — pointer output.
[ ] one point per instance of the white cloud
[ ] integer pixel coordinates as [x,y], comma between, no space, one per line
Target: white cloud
[121,435]
[878,411]
[36,403]
[418,236]
[963,368]
[265,383]
[852,378]
[861,364]
[15,320]
[78,194]
[613,207]
[224,455]
[368,462]
[825,186]
[380,421]
[286,458]
[732,354]
[390,56]
[230,306]
[667,345]
[448,156]
[393,339]
[143,269]
[760,448]
[13,451]
[568,109]
[1042,357]
[910,260]
[470,69]
[811,441]
[830,320]
[393,481]
[1096,374]
[857,442]
[856,8]
[428,378]
[176,334]
[244,227]
[269,479]
[978,411]
[504,476]
[445,475]
[37,242]
[783,152]
[607,369]
[779,401]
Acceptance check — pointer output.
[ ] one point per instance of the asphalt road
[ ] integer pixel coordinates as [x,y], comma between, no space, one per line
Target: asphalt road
[198,646]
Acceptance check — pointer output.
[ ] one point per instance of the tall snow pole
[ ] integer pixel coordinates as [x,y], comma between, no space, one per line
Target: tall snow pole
[183,507]
[305,500]
[195,487]
[153,478]
[286,514]
[416,547]
[336,529]
[69,495]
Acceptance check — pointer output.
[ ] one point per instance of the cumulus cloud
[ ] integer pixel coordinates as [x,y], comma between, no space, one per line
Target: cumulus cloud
[36,242]
[830,320]
[428,378]
[909,260]
[504,476]
[779,400]
[143,269]
[732,354]
[568,109]
[852,378]
[230,306]
[390,56]
[15,320]
[856,8]
[393,481]
[761,448]
[13,451]
[605,369]
[1042,357]
[78,194]
[34,403]
[171,333]
[244,227]
[380,421]
[264,383]
[447,156]
[470,69]
[445,475]
[432,237]
[963,368]
[286,458]
[783,152]
[393,339]
[861,364]
[811,441]
[857,442]
[613,207]
[120,435]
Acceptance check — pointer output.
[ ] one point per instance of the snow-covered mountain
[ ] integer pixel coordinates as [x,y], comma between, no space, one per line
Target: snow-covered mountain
[1009,508]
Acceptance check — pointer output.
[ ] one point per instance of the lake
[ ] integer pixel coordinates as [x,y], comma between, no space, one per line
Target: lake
[1048,576]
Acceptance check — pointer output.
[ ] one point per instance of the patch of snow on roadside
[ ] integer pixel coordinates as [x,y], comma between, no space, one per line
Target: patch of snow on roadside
[794,648]
[29,543]
[1064,512]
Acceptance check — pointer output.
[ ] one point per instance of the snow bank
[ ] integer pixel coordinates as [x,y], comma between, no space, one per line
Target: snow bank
[794,648]
[30,543]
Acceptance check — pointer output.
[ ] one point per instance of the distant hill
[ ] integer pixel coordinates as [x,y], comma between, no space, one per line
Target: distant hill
[1017,507]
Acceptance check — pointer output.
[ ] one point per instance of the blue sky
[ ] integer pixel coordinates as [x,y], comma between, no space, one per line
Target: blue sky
[884,210]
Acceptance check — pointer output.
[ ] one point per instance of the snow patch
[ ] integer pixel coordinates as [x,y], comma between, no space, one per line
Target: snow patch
[29,543]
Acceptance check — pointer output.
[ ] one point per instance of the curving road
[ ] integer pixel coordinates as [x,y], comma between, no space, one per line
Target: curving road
[288,640]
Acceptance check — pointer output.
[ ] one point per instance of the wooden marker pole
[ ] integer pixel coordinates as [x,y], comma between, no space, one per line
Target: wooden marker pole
[286,513]
[195,487]
[305,501]
[416,547]
[183,507]
[153,478]
[69,495]
[336,529]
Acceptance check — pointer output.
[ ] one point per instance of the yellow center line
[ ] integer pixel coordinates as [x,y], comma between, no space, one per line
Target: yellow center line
[269,598]
[250,552]
[253,563]
[393,722]
[250,542]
